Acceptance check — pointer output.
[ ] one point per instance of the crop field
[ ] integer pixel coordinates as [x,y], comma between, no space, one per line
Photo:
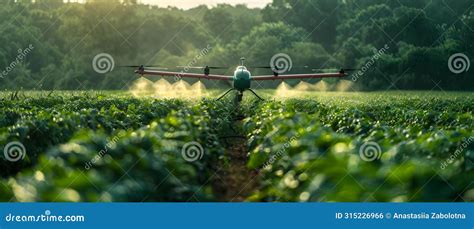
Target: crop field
[307,147]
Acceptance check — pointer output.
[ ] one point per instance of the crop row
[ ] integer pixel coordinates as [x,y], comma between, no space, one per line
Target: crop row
[42,123]
[119,160]
[309,151]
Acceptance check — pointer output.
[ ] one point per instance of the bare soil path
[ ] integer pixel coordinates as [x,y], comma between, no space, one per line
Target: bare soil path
[235,182]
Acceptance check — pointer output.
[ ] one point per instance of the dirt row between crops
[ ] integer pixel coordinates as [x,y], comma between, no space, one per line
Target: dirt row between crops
[235,182]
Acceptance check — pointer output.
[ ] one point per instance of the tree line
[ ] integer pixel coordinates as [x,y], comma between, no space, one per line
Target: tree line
[405,44]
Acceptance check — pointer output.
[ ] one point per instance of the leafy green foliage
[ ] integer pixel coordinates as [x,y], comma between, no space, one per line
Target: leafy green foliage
[110,149]
[309,150]
[421,34]
[40,123]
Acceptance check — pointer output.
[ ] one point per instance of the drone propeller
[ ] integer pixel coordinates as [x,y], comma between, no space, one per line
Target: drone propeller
[335,69]
[312,69]
[270,67]
[209,67]
[262,67]
[142,66]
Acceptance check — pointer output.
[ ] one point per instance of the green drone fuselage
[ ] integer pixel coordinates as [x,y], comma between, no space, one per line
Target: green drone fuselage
[242,79]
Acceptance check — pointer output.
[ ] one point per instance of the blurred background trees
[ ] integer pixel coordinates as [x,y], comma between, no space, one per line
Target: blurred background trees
[421,36]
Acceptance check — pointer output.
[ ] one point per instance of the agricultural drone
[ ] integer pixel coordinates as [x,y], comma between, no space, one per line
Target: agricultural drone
[242,78]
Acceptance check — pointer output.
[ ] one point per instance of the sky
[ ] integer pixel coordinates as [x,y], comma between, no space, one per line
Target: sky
[186,4]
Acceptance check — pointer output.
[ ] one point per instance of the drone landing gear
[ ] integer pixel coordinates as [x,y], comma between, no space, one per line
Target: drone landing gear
[240,94]
[255,94]
[227,92]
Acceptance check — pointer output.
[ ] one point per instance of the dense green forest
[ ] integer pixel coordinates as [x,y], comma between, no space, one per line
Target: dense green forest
[404,44]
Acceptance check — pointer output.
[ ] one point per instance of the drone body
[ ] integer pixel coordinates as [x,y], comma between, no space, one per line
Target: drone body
[242,79]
